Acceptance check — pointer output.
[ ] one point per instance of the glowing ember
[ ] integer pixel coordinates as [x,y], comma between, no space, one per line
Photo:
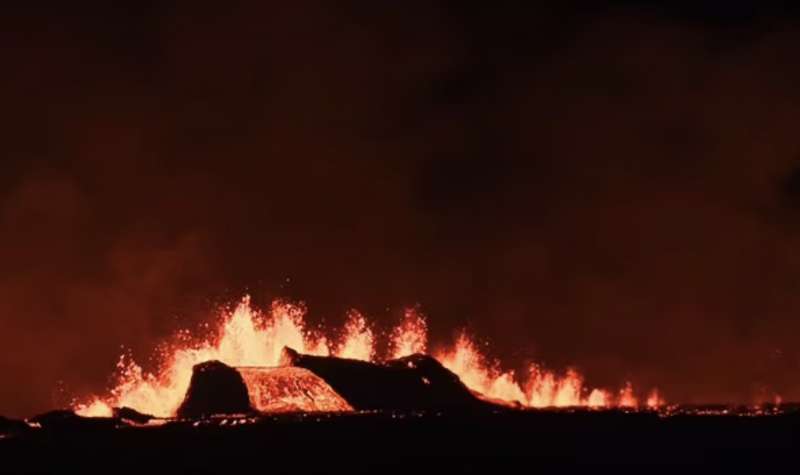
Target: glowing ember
[470,365]
[411,336]
[598,398]
[96,408]
[654,400]
[541,389]
[249,338]
[626,397]
[358,342]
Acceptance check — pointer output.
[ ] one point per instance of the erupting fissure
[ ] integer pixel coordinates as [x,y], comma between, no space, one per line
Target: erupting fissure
[248,337]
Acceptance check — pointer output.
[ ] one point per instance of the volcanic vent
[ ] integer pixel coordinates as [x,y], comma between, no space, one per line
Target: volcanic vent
[286,367]
[307,383]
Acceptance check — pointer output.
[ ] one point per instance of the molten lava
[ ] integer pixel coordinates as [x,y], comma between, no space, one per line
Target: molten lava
[291,390]
[411,336]
[358,341]
[250,338]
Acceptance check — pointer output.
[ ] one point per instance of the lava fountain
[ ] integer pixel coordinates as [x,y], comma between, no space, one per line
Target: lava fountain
[249,337]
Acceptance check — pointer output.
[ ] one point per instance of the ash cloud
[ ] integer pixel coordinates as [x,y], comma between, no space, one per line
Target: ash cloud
[613,189]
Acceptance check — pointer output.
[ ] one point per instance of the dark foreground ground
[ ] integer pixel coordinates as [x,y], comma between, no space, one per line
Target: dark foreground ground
[386,442]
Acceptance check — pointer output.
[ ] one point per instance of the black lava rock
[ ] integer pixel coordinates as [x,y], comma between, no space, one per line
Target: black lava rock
[132,415]
[215,388]
[63,419]
[417,382]
[12,426]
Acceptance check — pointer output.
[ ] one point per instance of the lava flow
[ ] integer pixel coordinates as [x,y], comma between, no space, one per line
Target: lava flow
[248,337]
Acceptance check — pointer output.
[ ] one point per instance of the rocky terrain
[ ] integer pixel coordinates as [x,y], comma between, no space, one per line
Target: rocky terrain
[345,416]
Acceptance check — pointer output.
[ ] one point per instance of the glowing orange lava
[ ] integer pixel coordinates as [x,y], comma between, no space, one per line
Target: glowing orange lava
[358,341]
[654,400]
[248,337]
[411,336]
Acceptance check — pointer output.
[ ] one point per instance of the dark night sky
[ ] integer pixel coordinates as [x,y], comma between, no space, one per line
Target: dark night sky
[616,188]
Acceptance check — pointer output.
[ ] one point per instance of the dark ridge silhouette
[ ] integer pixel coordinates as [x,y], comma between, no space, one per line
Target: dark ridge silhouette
[416,382]
[215,389]
[132,415]
[64,419]
[12,426]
